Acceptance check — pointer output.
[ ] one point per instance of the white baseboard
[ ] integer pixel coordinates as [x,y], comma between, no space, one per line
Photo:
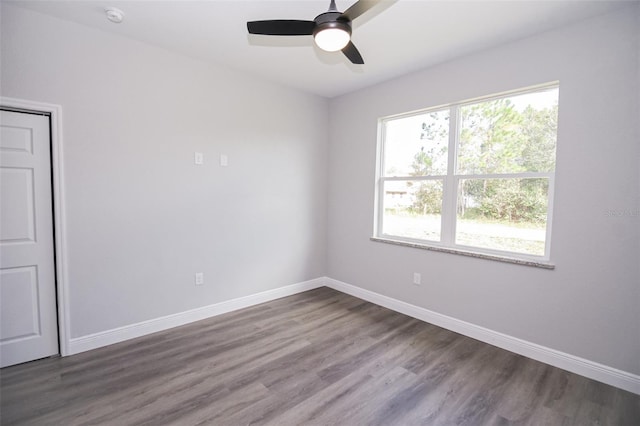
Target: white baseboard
[120,334]
[593,370]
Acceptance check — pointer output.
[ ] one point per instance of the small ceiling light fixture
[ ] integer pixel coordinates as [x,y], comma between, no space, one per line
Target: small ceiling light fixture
[114,15]
[332,36]
[332,33]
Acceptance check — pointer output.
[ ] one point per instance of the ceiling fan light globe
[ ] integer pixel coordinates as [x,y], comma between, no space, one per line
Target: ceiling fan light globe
[332,39]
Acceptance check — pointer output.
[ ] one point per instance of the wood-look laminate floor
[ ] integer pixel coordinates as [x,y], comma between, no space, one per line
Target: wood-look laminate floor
[316,358]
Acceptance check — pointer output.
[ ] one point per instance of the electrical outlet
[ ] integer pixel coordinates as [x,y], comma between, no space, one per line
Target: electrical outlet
[417,278]
[199,278]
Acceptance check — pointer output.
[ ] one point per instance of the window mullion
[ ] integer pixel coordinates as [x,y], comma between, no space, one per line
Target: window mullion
[416,178]
[450,184]
[522,175]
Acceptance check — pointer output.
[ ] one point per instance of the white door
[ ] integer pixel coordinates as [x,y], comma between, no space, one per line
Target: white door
[28,320]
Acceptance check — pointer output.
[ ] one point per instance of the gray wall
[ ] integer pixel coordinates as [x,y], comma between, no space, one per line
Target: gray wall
[588,305]
[142,219]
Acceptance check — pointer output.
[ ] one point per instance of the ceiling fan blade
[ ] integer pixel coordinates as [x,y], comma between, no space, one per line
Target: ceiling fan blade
[352,53]
[281,27]
[358,8]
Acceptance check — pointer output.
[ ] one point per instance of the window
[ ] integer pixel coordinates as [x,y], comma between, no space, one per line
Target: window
[474,176]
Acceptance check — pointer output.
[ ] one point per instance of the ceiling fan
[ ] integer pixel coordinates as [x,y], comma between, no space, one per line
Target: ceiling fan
[331,30]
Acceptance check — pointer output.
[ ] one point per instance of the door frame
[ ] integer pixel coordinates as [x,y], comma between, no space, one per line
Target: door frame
[59,217]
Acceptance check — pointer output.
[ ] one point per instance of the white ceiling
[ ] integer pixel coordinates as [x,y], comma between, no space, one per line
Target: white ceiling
[395,37]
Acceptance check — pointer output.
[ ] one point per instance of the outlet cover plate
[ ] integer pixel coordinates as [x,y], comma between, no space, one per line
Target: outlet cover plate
[199,278]
[417,278]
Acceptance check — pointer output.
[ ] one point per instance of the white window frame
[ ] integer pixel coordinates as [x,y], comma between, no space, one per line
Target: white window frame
[450,184]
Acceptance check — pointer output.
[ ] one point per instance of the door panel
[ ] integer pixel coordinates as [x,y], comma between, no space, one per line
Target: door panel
[28,320]
[19,287]
[17,217]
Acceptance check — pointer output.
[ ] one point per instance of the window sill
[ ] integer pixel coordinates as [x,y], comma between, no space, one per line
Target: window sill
[506,259]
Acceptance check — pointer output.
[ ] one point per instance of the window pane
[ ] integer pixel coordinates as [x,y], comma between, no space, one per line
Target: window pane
[509,135]
[416,145]
[412,209]
[503,214]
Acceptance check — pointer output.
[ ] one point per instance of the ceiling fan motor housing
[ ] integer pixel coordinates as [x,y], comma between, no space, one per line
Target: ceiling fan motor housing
[328,20]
